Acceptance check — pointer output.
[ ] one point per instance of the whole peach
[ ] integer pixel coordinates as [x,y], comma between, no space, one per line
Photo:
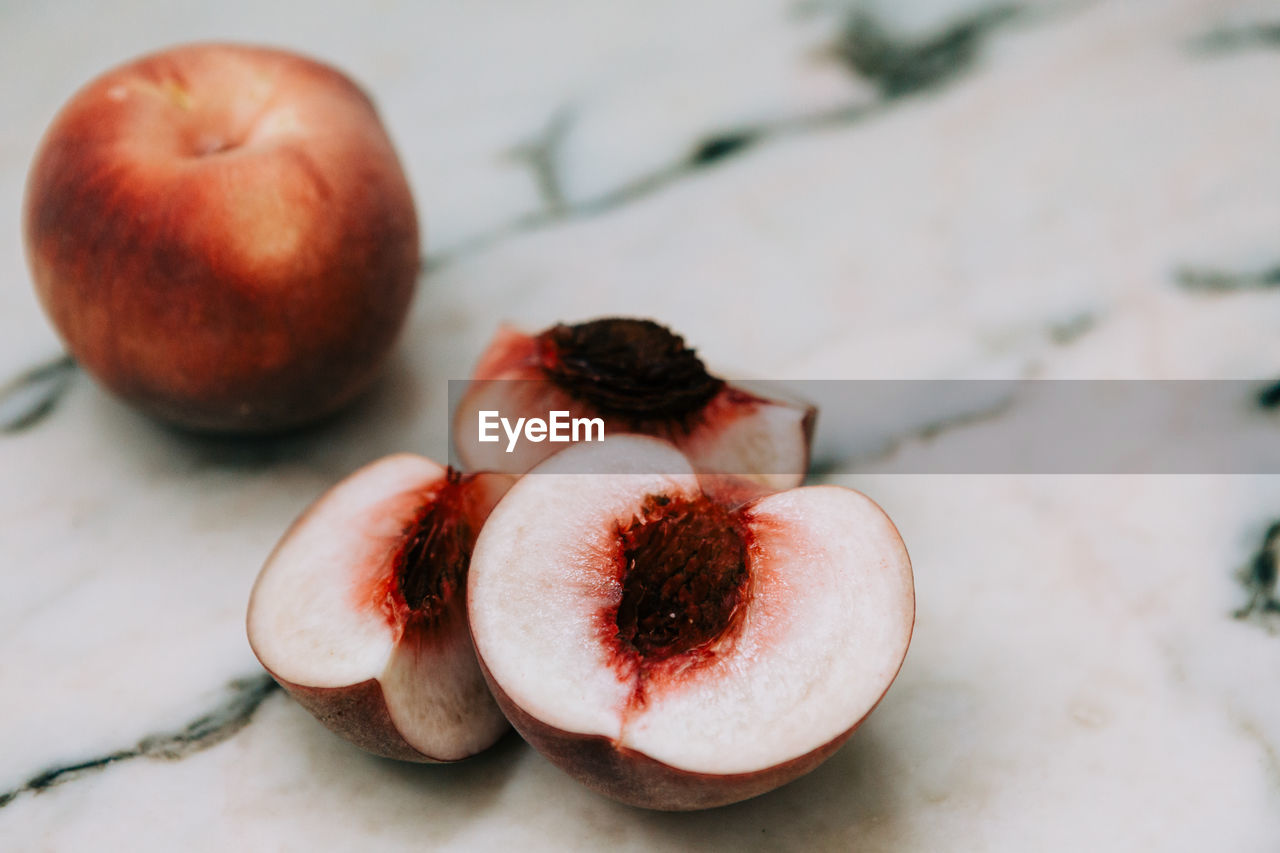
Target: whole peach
[223,236]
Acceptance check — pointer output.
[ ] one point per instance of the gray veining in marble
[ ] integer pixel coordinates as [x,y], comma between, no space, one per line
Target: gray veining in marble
[805,190]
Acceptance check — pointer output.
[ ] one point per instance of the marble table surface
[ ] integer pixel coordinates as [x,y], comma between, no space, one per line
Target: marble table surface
[805,190]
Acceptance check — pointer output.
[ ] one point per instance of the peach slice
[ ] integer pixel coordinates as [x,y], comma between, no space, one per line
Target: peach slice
[677,645]
[638,377]
[360,611]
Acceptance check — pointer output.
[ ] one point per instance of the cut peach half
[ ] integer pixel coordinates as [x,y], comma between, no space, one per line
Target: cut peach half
[675,644]
[360,610]
[638,377]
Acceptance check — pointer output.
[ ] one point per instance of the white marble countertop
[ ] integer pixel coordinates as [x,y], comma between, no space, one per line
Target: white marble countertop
[1061,190]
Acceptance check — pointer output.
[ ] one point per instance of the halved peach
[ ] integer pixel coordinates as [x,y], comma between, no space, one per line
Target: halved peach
[360,611]
[676,644]
[637,377]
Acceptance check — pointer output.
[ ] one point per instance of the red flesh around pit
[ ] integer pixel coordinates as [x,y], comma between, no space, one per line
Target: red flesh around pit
[671,397]
[681,566]
[421,581]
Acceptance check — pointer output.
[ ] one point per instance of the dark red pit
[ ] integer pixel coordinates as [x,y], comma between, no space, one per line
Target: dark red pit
[635,369]
[431,567]
[683,574]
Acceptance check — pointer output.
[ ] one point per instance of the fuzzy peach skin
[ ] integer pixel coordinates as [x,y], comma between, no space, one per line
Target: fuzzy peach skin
[223,236]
